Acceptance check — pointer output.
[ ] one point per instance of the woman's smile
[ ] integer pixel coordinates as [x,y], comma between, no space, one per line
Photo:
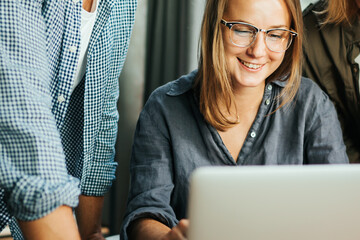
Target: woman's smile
[251,66]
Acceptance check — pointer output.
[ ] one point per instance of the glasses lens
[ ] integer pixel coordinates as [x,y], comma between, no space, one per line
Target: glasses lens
[242,35]
[278,40]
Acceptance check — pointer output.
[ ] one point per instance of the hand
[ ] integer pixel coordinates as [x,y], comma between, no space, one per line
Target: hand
[179,232]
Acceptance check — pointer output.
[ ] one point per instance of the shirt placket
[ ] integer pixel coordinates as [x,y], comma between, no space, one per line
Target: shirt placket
[255,129]
[68,61]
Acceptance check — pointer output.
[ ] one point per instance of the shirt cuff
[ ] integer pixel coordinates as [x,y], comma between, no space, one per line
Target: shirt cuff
[34,197]
[148,212]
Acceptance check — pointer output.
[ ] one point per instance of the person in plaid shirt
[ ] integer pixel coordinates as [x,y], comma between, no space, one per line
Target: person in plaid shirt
[59,67]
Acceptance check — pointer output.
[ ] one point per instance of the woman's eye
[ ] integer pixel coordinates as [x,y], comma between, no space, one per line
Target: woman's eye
[278,35]
[275,36]
[243,32]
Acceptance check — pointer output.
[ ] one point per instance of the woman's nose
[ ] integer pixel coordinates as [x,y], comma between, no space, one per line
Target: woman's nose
[258,47]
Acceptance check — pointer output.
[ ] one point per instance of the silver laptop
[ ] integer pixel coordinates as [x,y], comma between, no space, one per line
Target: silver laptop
[317,202]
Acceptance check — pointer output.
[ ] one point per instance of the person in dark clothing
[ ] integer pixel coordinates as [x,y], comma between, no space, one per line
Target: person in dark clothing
[331,49]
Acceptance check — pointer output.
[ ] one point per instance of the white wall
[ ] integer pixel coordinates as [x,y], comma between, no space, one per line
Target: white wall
[197,9]
[305,3]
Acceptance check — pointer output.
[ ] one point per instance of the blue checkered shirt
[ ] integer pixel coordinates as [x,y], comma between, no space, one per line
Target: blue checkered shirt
[55,144]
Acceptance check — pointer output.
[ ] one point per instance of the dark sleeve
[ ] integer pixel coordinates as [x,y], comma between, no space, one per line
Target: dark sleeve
[323,136]
[312,44]
[151,172]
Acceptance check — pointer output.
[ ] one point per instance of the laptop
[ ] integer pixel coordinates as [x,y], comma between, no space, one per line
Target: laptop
[312,202]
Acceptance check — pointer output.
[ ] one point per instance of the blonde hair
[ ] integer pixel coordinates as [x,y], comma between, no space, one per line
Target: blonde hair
[213,83]
[340,11]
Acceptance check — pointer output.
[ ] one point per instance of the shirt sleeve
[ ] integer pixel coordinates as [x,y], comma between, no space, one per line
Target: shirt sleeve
[312,42]
[99,172]
[32,165]
[151,175]
[323,137]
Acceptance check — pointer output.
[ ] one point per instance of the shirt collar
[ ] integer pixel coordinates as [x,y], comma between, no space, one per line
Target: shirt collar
[352,33]
[281,81]
[182,85]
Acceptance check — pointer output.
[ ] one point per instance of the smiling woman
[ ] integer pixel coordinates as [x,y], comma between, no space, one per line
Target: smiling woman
[261,13]
[236,79]
[245,105]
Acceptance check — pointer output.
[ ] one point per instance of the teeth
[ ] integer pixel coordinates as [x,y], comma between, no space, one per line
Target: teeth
[250,65]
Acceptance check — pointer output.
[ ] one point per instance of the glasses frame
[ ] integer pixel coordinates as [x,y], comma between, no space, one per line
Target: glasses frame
[231,24]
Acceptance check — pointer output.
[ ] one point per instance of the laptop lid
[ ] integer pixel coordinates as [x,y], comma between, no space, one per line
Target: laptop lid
[313,202]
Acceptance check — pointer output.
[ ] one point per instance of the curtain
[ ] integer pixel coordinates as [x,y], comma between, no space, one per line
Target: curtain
[167,42]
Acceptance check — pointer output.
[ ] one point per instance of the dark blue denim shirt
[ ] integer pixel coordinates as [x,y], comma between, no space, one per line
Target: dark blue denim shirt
[172,139]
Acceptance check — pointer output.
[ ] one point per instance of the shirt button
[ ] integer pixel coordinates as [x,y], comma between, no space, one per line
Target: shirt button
[75,1]
[72,49]
[61,99]
[269,87]
[267,102]
[253,134]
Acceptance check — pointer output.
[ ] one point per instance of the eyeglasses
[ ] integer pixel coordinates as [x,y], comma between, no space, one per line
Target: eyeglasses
[244,34]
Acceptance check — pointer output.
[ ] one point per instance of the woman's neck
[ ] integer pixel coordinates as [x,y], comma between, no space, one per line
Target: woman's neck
[246,104]
[248,99]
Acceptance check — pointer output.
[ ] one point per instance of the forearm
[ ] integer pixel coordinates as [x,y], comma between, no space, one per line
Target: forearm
[146,228]
[88,216]
[58,225]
